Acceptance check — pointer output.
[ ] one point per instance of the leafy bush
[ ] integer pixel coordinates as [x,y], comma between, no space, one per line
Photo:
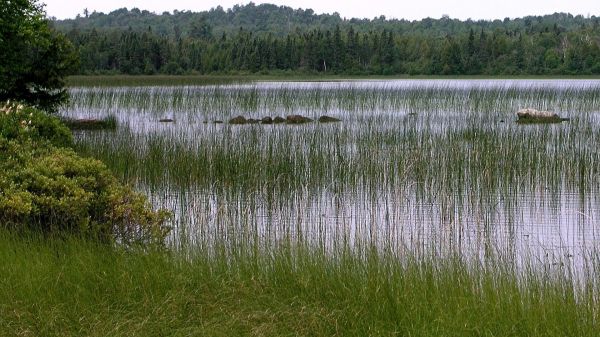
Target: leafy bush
[20,122]
[51,189]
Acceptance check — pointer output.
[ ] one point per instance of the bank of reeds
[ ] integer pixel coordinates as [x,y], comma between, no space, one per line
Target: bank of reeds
[417,164]
[426,212]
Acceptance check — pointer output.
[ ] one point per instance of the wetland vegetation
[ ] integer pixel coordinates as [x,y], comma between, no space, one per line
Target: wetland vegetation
[426,210]
[74,288]
[409,156]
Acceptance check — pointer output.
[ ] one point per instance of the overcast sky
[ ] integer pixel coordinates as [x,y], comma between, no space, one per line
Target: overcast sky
[400,9]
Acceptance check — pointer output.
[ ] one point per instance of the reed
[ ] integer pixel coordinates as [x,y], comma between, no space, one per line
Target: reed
[426,212]
[417,164]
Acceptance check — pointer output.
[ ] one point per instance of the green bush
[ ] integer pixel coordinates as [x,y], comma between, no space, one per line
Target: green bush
[51,189]
[20,122]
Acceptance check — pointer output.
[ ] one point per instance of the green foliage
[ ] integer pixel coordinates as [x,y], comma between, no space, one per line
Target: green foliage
[48,188]
[35,58]
[254,39]
[280,21]
[72,288]
[20,122]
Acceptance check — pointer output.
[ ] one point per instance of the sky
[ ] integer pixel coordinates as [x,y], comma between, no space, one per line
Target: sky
[399,9]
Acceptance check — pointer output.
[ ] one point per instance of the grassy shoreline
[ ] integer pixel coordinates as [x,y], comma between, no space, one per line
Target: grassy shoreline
[73,288]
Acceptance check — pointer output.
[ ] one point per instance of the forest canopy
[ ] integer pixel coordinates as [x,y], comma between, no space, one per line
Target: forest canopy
[271,39]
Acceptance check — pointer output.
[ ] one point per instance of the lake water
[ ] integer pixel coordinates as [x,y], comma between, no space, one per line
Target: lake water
[418,166]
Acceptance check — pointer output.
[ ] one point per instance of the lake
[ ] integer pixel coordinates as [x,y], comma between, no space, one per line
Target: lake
[415,167]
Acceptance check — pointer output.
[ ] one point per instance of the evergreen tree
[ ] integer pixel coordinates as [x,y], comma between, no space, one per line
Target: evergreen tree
[35,58]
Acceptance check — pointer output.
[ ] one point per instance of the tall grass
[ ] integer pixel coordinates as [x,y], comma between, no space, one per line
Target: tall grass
[418,164]
[500,98]
[426,212]
[74,288]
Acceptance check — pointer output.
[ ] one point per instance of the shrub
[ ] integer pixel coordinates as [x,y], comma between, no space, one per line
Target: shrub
[51,189]
[20,122]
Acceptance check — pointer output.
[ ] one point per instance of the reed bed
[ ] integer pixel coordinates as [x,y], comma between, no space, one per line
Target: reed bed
[420,164]
[221,101]
[426,212]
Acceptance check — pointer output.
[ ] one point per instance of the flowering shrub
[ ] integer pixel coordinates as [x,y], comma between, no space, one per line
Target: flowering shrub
[47,188]
[21,122]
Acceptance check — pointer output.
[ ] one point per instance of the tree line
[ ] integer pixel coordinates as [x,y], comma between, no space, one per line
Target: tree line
[207,43]
[340,51]
[282,20]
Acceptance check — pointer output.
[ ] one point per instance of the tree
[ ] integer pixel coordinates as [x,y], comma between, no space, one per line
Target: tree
[201,30]
[35,58]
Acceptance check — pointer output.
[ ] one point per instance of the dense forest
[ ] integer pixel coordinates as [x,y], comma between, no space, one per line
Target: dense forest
[278,39]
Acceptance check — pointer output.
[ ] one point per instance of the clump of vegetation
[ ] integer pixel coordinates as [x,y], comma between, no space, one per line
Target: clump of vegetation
[22,123]
[108,123]
[46,187]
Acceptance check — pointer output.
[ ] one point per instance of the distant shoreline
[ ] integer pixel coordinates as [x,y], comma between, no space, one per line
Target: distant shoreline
[144,80]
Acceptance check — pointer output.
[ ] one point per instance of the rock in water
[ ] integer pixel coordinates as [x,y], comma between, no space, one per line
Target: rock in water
[239,120]
[297,119]
[526,116]
[278,120]
[90,124]
[328,119]
[267,120]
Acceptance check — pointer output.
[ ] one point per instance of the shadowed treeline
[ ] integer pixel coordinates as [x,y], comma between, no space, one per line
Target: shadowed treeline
[254,39]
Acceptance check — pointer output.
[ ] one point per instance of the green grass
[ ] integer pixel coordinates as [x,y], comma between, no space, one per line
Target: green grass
[74,288]
[426,212]
[346,99]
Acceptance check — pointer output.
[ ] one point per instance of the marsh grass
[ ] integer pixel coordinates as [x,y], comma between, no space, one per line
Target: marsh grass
[412,164]
[224,100]
[74,288]
[426,212]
